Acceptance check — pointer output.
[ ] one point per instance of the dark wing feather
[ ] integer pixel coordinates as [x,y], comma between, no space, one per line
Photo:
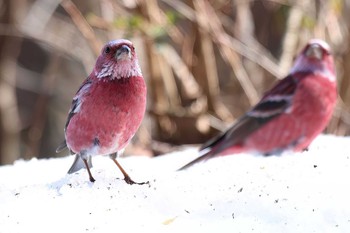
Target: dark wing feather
[242,128]
[286,86]
[264,111]
[274,102]
[238,132]
[77,101]
[73,110]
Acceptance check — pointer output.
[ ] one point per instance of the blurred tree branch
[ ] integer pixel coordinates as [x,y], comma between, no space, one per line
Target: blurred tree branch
[205,62]
[82,25]
[9,118]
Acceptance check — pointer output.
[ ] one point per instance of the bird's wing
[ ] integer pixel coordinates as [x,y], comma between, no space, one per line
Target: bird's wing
[75,107]
[274,102]
[77,101]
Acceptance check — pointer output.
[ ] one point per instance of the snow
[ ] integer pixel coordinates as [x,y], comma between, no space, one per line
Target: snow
[294,192]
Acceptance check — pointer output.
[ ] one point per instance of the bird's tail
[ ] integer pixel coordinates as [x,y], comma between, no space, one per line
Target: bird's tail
[79,164]
[61,147]
[211,152]
[203,155]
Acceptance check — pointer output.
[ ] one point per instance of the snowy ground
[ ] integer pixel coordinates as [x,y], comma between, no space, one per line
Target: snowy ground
[303,192]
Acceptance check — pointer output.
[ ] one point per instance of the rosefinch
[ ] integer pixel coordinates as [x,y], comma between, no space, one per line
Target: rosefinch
[290,115]
[108,108]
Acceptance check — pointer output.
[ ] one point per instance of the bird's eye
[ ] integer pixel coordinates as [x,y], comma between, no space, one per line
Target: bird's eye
[107,49]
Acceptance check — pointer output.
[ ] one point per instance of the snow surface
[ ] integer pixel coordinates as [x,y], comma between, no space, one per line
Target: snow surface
[302,192]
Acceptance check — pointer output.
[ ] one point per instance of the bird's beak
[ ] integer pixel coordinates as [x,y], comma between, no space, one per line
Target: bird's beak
[123,53]
[314,51]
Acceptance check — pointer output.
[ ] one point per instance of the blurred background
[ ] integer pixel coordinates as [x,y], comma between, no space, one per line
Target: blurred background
[205,63]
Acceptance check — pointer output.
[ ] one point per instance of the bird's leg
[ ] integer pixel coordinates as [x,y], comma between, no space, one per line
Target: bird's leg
[91,178]
[127,178]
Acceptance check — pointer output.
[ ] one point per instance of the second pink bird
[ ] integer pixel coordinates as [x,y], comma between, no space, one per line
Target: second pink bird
[290,115]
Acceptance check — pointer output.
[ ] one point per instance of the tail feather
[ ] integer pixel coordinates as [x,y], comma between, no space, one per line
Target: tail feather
[79,164]
[211,152]
[206,154]
[61,147]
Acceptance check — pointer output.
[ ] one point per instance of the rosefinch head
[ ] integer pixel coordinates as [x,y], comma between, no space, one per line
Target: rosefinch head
[290,115]
[117,60]
[108,107]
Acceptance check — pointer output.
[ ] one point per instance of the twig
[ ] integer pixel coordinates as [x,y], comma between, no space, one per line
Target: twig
[82,25]
[211,20]
[255,53]
[169,83]
[291,36]
[189,84]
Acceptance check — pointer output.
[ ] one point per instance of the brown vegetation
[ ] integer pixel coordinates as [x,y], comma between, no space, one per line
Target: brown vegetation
[205,63]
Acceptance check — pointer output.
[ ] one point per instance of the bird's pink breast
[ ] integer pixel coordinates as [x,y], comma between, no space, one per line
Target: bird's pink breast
[310,113]
[109,116]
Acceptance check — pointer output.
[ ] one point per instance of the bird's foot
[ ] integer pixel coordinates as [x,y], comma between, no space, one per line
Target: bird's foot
[128,180]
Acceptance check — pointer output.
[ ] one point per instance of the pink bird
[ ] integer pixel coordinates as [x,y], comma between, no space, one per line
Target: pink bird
[290,115]
[108,108]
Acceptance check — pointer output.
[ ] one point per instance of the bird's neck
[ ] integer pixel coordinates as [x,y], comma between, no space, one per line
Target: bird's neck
[122,70]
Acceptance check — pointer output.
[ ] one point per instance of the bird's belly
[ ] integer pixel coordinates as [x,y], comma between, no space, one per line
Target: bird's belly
[104,127]
[99,137]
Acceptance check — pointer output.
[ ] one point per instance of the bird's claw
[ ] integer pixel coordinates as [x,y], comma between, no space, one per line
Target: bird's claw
[128,180]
